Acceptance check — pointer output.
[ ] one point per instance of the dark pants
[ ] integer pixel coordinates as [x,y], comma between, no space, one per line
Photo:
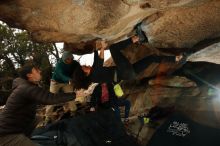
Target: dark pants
[122,102]
[126,70]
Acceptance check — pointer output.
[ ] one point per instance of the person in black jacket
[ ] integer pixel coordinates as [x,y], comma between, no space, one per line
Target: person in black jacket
[18,118]
[123,70]
[103,97]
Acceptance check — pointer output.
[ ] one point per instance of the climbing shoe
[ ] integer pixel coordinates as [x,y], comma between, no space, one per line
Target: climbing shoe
[183,60]
[140,34]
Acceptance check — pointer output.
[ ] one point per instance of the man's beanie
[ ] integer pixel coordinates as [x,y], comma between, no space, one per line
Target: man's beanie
[66,54]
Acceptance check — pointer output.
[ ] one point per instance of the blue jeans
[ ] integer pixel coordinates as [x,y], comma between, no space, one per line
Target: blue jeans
[122,102]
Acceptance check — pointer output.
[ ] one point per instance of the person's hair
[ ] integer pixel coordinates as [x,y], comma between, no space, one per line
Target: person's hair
[26,69]
[79,78]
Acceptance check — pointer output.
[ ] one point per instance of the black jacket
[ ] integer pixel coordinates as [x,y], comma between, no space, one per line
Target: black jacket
[96,97]
[19,114]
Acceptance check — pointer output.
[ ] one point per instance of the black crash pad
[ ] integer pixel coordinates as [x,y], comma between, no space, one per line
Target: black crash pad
[95,129]
[179,130]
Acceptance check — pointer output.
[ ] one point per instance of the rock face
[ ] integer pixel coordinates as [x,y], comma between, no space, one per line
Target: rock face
[71,20]
[162,91]
[208,54]
[167,23]
[184,25]
[171,26]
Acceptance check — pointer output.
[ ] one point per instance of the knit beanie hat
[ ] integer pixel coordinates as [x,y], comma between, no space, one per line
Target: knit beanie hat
[66,54]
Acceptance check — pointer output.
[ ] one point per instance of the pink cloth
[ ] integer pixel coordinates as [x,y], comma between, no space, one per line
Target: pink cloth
[105,94]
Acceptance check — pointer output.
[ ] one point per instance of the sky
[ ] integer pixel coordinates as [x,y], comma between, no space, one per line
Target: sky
[86,59]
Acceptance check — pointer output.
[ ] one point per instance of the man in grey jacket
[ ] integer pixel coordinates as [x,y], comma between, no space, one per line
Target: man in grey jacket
[18,118]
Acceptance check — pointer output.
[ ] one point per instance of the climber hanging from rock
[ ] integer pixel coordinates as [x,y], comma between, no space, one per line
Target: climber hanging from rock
[123,70]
